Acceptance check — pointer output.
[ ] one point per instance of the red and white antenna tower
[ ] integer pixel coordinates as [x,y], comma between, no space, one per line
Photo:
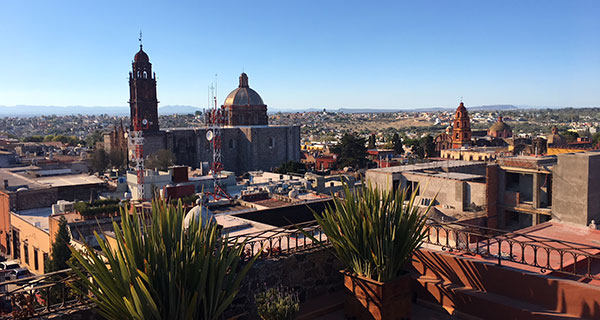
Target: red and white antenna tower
[216,121]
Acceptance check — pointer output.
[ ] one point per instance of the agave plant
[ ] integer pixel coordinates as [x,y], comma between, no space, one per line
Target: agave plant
[374,232]
[277,303]
[158,269]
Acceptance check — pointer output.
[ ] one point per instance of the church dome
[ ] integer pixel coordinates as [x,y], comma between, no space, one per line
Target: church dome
[243,95]
[141,56]
[500,126]
[555,138]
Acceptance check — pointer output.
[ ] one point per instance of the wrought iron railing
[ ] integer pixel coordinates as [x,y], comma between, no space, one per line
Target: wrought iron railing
[41,295]
[547,254]
[283,241]
[36,296]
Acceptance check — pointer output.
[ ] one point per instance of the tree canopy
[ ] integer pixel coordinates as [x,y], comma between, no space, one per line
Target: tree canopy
[162,160]
[291,167]
[60,248]
[351,151]
[397,144]
[100,160]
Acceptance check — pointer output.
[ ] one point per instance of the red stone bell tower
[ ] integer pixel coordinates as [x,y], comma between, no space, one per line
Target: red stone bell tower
[461,130]
[142,92]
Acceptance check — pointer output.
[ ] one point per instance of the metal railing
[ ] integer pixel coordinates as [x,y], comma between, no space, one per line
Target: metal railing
[37,296]
[543,253]
[547,254]
[283,241]
[41,295]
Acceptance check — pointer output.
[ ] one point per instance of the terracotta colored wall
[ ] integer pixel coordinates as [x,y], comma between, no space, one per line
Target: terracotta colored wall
[4,220]
[565,296]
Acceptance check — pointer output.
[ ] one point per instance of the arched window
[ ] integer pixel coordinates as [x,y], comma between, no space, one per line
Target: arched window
[145,75]
[458,124]
[271,142]
[138,74]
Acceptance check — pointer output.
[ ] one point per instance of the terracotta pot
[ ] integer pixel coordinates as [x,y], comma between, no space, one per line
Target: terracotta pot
[370,299]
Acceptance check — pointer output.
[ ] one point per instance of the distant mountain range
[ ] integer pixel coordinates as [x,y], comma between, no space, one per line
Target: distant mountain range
[30,111]
[497,107]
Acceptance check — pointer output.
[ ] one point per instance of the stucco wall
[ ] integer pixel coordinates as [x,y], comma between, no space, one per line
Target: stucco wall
[36,239]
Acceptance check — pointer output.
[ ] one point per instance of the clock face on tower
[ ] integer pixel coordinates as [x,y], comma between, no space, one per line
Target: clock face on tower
[145,122]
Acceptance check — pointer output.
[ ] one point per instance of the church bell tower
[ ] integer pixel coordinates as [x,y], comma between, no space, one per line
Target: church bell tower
[143,103]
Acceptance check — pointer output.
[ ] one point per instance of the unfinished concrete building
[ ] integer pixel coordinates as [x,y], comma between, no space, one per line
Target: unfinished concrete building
[456,185]
[576,193]
[519,191]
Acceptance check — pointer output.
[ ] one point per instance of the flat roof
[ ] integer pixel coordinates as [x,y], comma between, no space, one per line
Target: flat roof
[236,226]
[428,165]
[18,177]
[70,180]
[456,176]
[37,217]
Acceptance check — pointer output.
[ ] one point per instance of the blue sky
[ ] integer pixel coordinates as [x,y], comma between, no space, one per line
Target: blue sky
[303,54]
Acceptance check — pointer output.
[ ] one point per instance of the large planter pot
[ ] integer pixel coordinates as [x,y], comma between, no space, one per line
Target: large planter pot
[370,299]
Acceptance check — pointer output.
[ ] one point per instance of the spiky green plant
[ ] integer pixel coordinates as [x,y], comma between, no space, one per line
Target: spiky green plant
[374,232]
[161,270]
[278,303]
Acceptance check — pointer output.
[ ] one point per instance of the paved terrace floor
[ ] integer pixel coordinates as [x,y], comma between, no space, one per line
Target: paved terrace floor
[331,307]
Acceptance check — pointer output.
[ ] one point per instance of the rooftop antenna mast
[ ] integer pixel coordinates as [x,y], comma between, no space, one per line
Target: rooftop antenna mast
[216,120]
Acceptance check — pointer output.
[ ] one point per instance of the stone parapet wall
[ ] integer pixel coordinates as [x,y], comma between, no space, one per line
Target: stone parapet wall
[311,273]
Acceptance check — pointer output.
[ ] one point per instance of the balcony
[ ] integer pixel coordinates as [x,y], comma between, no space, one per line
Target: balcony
[460,270]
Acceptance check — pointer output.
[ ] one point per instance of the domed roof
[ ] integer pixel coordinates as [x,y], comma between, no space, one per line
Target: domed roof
[555,138]
[243,95]
[500,126]
[141,56]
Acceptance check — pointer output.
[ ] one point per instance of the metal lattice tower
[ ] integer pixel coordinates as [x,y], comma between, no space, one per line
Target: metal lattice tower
[216,121]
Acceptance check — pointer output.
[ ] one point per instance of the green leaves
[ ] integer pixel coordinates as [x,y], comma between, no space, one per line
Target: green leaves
[157,269]
[373,232]
[278,303]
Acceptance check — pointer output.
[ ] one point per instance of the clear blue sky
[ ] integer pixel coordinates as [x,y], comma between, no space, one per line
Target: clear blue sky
[301,54]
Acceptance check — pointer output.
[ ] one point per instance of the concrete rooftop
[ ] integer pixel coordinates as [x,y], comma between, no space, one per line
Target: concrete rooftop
[428,165]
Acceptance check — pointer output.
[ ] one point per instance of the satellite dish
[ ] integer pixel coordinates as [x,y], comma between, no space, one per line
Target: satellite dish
[209,135]
[144,122]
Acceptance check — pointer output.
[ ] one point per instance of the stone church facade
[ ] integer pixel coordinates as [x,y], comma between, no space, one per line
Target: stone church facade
[248,141]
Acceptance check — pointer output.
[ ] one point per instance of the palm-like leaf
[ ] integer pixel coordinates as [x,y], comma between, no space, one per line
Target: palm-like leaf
[160,270]
[374,232]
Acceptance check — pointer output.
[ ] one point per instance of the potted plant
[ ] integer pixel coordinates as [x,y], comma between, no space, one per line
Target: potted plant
[278,303]
[159,268]
[374,233]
